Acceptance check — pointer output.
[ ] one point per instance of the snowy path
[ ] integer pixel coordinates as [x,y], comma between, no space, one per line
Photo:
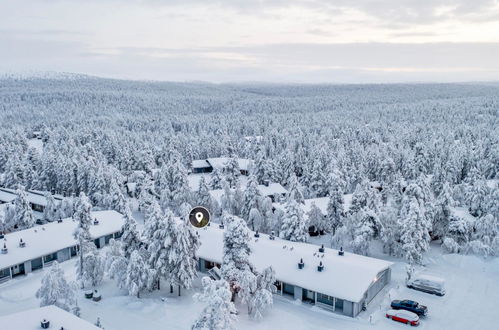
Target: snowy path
[472,288]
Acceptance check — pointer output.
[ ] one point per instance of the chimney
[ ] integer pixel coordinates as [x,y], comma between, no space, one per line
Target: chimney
[321,249]
[266,183]
[4,249]
[22,243]
[221,225]
[257,234]
[341,252]
[45,324]
[301,264]
[272,235]
[320,268]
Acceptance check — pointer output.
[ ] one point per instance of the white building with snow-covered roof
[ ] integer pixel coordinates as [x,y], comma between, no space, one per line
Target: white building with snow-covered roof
[36,199]
[51,316]
[345,283]
[27,250]
[207,165]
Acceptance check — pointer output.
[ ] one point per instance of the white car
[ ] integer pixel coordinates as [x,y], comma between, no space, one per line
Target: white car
[403,316]
[428,284]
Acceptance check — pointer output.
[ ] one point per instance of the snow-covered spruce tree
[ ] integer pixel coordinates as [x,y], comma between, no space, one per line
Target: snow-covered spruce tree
[295,190]
[50,210]
[115,264]
[255,220]
[294,226]
[231,172]
[203,196]
[66,208]
[443,206]
[414,231]
[262,298]
[267,215]
[476,198]
[216,178]
[83,218]
[335,210]
[227,198]
[93,266]
[220,312]
[236,267]
[251,199]
[182,258]
[55,290]
[130,239]
[137,275]
[365,226]
[158,235]
[9,217]
[317,219]
[115,199]
[23,216]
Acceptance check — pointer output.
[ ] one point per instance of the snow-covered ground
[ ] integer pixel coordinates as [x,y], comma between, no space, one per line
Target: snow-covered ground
[470,302]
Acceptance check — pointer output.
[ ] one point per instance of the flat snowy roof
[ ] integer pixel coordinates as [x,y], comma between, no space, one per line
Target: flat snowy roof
[320,202]
[346,277]
[34,196]
[200,163]
[272,189]
[59,318]
[54,236]
[220,162]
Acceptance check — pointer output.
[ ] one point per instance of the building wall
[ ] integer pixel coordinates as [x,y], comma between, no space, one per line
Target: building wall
[27,267]
[298,292]
[348,308]
[63,255]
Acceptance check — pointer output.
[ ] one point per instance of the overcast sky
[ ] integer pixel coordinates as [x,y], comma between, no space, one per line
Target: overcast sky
[254,40]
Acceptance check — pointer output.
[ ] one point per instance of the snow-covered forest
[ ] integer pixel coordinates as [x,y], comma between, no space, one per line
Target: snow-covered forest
[431,150]
[401,167]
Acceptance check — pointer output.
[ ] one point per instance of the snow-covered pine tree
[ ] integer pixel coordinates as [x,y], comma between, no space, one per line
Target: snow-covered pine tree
[23,217]
[55,290]
[335,210]
[251,199]
[262,298]
[93,266]
[414,231]
[137,274]
[294,226]
[236,267]
[220,312]
[116,199]
[295,190]
[131,240]
[443,211]
[83,218]
[365,226]
[115,264]
[227,198]
[231,172]
[158,235]
[50,210]
[255,220]
[182,258]
[317,219]
[203,194]
[216,178]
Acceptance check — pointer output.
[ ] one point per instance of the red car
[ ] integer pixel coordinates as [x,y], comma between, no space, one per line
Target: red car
[403,316]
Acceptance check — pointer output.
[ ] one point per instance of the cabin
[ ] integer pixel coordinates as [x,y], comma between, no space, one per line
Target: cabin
[36,198]
[24,251]
[275,191]
[209,164]
[337,281]
[48,317]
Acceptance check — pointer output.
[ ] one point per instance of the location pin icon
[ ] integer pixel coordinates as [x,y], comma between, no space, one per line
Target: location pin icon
[199,217]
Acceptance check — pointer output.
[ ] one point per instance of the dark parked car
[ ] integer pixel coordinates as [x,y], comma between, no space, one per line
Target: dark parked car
[411,306]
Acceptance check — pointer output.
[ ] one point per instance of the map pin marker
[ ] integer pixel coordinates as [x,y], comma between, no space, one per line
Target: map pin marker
[199,217]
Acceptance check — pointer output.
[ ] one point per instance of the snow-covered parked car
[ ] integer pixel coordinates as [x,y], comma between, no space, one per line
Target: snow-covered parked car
[410,305]
[403,316]
[427,283]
